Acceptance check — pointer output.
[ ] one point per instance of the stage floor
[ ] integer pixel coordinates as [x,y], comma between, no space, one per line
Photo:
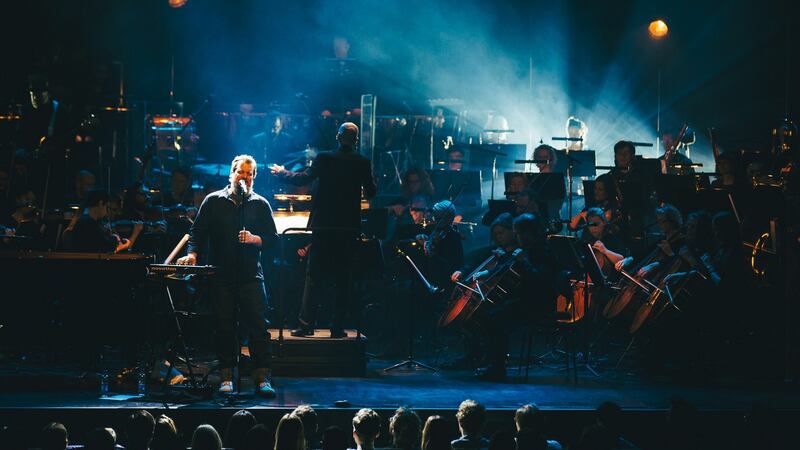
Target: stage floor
[547,386]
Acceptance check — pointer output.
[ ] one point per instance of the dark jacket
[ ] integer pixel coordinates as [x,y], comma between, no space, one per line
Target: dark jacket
[340,177]
[215,232]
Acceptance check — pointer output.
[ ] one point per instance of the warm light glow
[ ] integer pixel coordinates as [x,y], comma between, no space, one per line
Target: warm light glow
[177,3]
[657,29]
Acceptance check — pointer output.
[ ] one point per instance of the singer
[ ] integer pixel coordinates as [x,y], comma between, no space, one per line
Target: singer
[232,226]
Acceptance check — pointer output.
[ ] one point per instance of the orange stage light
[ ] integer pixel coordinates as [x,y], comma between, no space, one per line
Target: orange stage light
[657,29]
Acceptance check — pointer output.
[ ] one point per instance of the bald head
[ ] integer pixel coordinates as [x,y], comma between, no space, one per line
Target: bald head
[348,135]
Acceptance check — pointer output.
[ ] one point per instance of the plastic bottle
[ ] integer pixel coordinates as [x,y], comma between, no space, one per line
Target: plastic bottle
[141,381]
[104,383]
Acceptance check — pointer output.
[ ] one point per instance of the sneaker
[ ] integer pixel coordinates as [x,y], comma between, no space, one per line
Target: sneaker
[302,332]
[226,387]
[265,389]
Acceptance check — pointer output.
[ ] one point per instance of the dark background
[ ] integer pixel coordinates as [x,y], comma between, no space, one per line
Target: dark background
[731,65]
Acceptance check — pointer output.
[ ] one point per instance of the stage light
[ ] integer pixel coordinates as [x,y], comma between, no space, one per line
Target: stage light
[657,29]
[177,3]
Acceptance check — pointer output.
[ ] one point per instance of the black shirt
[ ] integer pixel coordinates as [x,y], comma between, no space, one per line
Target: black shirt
[215,233]
[340,177]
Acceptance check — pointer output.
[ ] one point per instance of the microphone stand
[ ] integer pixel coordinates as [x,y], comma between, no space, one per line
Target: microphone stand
[236,396]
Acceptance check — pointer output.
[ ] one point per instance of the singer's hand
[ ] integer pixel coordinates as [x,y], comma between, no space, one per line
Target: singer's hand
[455,276]
[188,260]
[246,237]
[277,169]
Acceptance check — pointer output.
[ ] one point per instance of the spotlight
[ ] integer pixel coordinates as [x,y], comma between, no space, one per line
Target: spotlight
[657,29]
[176,3]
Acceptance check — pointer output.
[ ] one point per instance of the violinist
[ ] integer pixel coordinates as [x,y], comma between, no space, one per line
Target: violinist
[603,199]
[442,247]
[181,192]
[417,191]
[90,234]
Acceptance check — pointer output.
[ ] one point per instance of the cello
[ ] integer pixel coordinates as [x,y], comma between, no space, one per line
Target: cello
[468,299]
[637,285]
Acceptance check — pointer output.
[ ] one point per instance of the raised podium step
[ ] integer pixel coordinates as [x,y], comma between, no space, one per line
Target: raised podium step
[319,355]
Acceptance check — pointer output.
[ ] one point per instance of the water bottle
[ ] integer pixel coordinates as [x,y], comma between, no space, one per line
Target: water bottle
[141,381]
[104,383]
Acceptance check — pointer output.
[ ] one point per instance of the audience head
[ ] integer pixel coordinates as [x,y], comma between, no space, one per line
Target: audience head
[471,417]
[405,427]
[54,436]
[366,426]
[609,415]
[436,434]
[334,438]
[529,417]
[259,438]
[308,416]
[102,439]
[139,427]
[205,437]
[289,434]
[238,424]
[165,434]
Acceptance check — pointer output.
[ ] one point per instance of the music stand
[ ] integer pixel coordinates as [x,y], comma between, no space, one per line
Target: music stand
[447,183]
[482,156]
[578,258]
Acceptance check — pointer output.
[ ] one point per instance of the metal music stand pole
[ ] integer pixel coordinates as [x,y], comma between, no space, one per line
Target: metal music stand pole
[410,362]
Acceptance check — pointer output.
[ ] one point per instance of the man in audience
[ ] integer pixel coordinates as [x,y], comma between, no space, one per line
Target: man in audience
[54,436]
[139,428]
[471,418]
[101,439]
[529,421]
[366,428]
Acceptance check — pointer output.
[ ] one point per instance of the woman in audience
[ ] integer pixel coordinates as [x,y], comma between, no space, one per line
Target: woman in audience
[165,435]
[237,428]
[404,427]
[259,438]
[206,438]
[289,434]
[437,434]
